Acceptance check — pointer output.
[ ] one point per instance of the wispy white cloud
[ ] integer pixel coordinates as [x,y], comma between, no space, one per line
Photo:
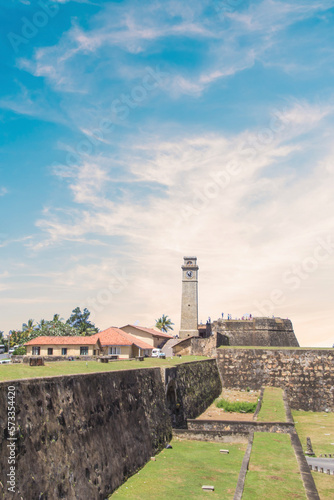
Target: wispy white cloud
[9,241]
[271,16]
[224,205]
[121,25]
[250,203]
[29,103]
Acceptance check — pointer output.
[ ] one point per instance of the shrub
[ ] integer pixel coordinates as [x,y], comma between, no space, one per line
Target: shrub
[238,406]
[20,351]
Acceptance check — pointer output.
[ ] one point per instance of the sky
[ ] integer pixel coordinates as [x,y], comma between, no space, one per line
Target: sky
[134,133]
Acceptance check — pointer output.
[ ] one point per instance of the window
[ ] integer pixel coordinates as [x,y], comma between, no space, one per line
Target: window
[50,351]
[84,350]
[36,351]
[63,351]
[114,350]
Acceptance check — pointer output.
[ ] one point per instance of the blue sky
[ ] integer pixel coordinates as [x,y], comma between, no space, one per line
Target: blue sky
[134,133]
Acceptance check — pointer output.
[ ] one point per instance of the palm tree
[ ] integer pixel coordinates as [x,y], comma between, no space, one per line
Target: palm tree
[28,327]
[164,323]
[42,323]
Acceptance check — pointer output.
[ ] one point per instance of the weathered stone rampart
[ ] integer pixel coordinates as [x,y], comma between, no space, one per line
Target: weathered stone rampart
[191,388]
[82,436]
[255,332]
[306,374]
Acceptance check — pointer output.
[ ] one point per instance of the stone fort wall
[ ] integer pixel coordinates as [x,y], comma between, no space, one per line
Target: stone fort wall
[255,332]
[306,374]
[82,436]
[190,389]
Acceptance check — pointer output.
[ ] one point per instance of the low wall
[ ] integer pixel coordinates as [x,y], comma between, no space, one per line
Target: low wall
[81,436]
[218,436]
[307,375]
[239,427]
[25,358]
[190,389]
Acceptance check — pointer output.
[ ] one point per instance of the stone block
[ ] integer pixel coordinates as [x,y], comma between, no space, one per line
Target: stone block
[208,488]
[36,361]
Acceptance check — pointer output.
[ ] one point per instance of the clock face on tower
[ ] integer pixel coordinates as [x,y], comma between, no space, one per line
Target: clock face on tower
[189,263]
[189,274]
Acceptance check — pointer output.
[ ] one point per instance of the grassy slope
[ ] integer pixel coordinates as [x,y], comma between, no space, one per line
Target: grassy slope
[272,409]
[181,472]
[273,471]
[20,370]
[316,425]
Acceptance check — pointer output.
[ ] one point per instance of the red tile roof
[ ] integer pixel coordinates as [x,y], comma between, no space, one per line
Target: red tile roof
[53,340]
[155,333]
[116,337]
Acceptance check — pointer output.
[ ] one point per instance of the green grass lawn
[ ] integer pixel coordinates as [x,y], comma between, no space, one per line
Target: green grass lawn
[317,426]
[272,408]
[181,472]
[21,370]
[273,470]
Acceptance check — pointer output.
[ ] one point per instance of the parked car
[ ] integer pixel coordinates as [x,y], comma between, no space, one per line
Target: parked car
[11,350]
[157,353]
[4,361]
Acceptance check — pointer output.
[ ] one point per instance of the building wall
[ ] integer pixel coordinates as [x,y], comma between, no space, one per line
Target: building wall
[72,350]
[144,336]
[184,348]
[126,351]
[306,374]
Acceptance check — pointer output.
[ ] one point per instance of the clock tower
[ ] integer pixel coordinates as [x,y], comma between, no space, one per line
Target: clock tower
[189,306]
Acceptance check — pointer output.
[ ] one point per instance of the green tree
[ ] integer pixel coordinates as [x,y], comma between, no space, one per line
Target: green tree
[164,323]
[55,327]
[41,324]
[18,337]
[3,341]
[77,324]
[80,320]
[29,327]
[56,318]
